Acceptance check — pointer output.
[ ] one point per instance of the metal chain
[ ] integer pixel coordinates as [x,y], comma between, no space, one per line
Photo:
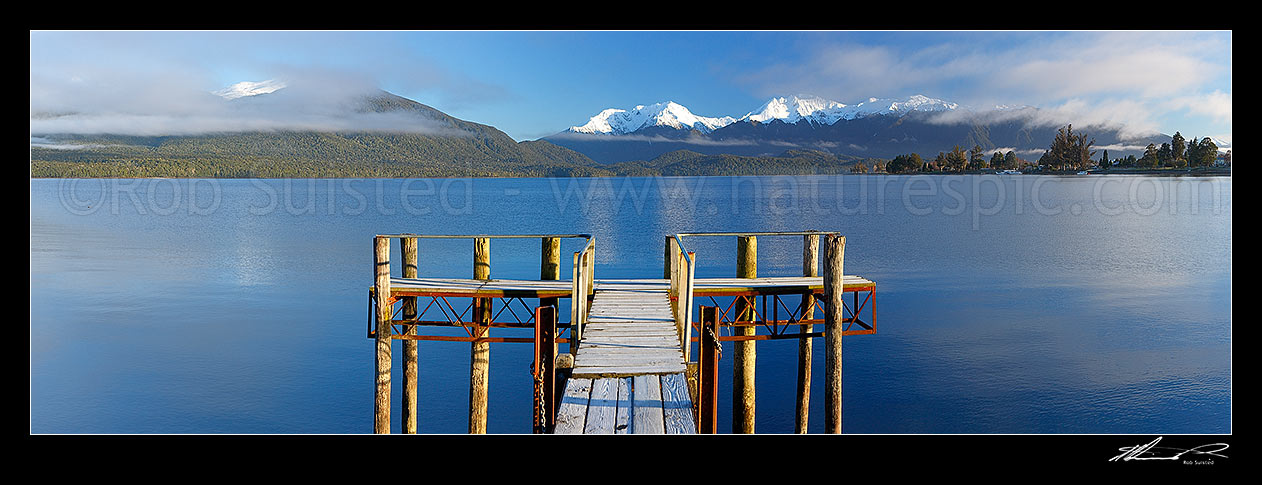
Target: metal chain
[539,417]
[718,348]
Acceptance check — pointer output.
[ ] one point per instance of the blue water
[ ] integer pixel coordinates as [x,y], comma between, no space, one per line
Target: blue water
[1014,304]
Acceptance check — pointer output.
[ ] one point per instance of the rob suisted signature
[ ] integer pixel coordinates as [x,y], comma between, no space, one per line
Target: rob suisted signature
[1151,451]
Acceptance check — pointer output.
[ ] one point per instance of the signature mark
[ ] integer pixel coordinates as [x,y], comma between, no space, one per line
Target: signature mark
[1151,451]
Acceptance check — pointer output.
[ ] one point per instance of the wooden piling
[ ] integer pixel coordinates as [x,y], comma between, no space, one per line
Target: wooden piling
[743,389]
[550,265]
[480,352]
[381,289]
[834,255]
[591,270]
[670,258]
[810,267]
[408,418]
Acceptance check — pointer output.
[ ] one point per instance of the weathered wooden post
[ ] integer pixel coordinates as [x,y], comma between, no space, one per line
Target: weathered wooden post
[672,254]
[590,260]
[480,358]
[743,395]
[834,255]
[708,372]
[408,250]
[550,265]
[381,288]
[810,268]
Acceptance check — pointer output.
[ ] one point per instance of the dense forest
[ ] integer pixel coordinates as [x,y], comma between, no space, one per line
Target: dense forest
[325,155]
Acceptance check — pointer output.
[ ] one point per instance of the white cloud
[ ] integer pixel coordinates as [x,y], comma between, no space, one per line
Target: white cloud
[165,82]
[1118,78]
[112,102]
[1118,147]
[1216,105]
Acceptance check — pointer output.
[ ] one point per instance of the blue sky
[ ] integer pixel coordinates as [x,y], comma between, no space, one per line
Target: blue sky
[532,84]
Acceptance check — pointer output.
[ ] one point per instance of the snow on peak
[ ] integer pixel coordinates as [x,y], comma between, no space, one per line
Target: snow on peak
[789,109]
[817,110]
[620,122]
[920,103]
[249,88]
[792,109]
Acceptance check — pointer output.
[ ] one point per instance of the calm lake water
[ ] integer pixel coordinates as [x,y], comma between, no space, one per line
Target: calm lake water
[1006,304]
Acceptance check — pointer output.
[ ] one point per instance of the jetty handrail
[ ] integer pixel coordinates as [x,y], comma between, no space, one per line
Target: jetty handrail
[682,276]
[582,287]
[752,233]
[487,236]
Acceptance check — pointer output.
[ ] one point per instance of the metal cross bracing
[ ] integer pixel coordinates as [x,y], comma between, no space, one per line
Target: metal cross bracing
[542,319]
[778,328]
[463,318]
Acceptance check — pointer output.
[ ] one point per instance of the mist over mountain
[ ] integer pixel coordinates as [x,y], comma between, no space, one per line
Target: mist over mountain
[279,133]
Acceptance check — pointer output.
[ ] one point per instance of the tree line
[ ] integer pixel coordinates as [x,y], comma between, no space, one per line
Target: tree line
[1069,150]
[1178,153]
[957,160]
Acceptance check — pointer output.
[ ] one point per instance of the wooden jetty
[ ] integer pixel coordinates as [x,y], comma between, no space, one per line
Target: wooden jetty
[630,366]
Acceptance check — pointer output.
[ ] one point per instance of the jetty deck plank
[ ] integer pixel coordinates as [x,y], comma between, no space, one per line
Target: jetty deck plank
[622,423]
[676,405]
[647,409]
[602,408]
[572,412]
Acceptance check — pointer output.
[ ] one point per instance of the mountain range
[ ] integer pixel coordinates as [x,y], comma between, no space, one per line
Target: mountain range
[875,128]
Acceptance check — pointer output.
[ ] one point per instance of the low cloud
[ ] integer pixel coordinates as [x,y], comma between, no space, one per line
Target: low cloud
[106,102]
[171,125]
[41,142]
[1132,119]
[1120,147]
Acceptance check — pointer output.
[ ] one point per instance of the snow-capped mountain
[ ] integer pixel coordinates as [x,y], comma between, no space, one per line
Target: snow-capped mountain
[789,109]
[249,88]
[669,114]
[796,108]
[817,110]
[876,127]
